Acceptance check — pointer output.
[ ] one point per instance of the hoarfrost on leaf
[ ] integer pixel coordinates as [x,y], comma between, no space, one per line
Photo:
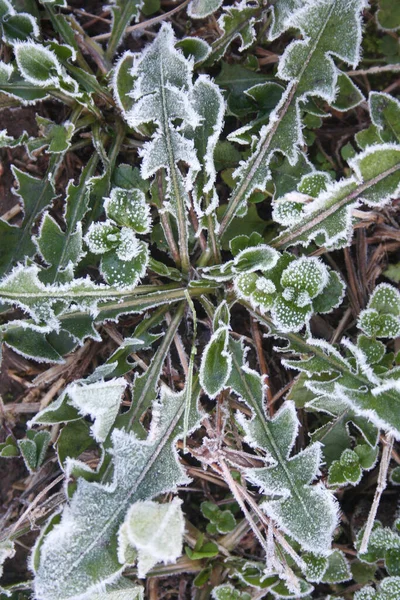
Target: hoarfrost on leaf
[156,532]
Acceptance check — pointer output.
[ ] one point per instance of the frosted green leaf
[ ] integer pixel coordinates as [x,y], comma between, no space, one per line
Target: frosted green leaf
[289,210]
[306,513]
[209,104]
[15,26]
[288,316]
[283,14]
[348,94]
[199,9]
[338,568]
[38,64]
[7,550]
[237,21]
[129,208]
[389,589]
[24,289]
[216,363]
[100,400]
[196,48]
[377,399]
[381,318]
[162,87]
[221,316]
[261,257]
[125,267]
[304,279]
[33,448]
[156,532]
[310,71]
[79,554]
[122,590]
[345,470]
[9,448]
[36,195]
[63,248]
[102,237]
[228,592]
[328,219]
[55,137]
[385,115]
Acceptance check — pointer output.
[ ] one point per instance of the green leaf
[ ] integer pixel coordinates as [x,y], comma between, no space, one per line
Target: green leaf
[155,531]
[74,439]
[388,15]
[7,550]
[216,363]
[199,9]
[62,249]
[385,114]
[9,449]
[36,195]
[308,68]
[307,513]
[122,14]
[128,208]
[196,48]
[327,220]
[237,21]
[162,88]
[40,66]
[381,318]
[15,26]
[80,553]
[33,448]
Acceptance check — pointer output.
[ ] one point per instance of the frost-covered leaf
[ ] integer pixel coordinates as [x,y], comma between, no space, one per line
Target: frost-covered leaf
[56,138]
[208,102]
[162,88]
[36,195]
[16,26]
[307,513]
[122,14]
[381,318]
[383,544]
[100,400]
[7,550]
[385,115]
[291,289]
[128,208]
[199,9]
[123,589]
[283,14]
[237,21]
[389,589]
[9,448]
[33,448]
[328,27]
[74,305]
[79,554]
[328,219]
[228,592]
[195,48]
[370,396]
[156,532]
[41,67]
[216,363]
[62,248]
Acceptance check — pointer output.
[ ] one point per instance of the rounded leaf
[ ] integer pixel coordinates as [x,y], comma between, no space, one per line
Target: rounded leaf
[37,64]
[129,208]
